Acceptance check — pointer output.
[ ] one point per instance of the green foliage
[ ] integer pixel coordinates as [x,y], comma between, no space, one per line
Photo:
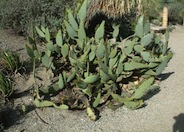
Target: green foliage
[174,6]
[6,87]
[96,71]
[23,15]
[49,103]
[174,11]
[9,65]
[10,61]
[182,13]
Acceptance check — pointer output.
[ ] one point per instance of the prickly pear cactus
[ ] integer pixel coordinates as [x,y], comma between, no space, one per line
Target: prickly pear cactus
[97,71]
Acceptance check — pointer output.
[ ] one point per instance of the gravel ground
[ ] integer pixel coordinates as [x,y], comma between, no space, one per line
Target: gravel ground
[164,111]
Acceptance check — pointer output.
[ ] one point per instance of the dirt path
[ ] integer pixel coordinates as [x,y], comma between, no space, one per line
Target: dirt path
[9,40]
[164,112]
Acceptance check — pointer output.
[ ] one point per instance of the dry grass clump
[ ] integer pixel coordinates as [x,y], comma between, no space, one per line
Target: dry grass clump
[112,8]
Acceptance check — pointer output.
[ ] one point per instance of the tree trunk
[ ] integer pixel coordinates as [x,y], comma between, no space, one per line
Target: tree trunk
[165,17]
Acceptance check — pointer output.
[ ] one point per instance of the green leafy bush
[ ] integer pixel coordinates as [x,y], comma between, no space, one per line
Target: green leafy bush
[97,71]
[6,87]
[174,11]
[21,15]
[10,61]
[9,64]
[174,6]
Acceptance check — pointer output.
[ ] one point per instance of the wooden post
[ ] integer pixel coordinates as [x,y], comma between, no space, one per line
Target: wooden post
[165,17]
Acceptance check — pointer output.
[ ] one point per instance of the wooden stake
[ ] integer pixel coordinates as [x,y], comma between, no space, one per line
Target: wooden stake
[165,17]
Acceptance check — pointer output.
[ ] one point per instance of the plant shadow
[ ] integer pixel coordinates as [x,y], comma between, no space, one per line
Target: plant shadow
[150,94]
[13,116]
[179,123]
[153,92]
[164,76]
[24,93]
[12,113]
[28,67]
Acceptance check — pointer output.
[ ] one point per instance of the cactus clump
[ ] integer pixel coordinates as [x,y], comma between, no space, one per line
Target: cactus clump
[95,71]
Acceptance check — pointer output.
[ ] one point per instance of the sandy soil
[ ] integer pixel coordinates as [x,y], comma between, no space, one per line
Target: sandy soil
[164,111]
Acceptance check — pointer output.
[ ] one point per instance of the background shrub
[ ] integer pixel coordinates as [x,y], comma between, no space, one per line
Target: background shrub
[21,15]
[174,12]
[174,6]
